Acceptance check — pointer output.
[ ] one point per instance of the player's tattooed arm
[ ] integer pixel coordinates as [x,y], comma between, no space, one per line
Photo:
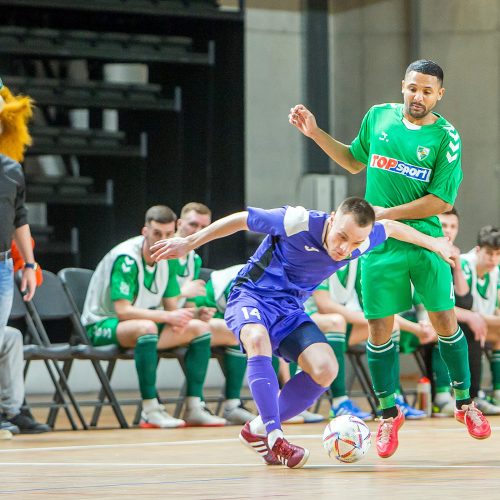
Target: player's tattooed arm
[402,232]
[174,248]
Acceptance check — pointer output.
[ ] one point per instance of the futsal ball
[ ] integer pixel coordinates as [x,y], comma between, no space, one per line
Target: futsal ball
[347,438]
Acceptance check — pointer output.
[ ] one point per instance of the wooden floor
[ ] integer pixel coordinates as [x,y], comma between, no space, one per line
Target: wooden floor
[436,459]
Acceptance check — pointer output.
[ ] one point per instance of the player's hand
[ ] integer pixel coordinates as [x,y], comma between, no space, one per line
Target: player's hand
[380,213]
[444,248]
[455,254]
[28,283]
[180,317]
[427,333]
[303,120]
[206,313]
[172,248]
[478,326]
[195,288]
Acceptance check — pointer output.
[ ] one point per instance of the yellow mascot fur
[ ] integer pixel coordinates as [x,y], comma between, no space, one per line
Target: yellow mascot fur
[15,113]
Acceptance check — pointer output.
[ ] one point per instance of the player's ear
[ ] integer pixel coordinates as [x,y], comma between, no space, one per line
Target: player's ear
[441,92]
[332,215]
[144,231]
[402,86]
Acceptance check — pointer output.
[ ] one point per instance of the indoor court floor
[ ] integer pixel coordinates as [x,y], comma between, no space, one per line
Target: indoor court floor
[436,459]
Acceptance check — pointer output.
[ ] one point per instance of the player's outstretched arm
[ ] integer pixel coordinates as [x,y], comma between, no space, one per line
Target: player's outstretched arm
[174,248]
[402,232]
[301,118]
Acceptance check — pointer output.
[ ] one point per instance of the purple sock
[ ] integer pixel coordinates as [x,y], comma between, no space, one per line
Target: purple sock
[298,394]
[264,387]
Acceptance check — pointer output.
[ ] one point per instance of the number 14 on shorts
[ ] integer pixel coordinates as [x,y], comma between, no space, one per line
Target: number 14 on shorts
[247,312]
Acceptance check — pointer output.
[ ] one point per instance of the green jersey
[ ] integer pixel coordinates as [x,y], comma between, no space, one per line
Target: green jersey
[406,162]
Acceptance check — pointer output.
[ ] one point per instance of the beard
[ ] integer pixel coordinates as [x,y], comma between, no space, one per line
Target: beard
[417,112]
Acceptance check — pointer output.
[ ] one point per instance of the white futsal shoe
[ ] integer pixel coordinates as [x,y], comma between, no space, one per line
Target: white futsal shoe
[158,418]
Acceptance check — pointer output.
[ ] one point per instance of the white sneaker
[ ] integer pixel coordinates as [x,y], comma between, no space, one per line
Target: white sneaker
[485,407]
[5,434]
[238,415]
[158,418]
[445,410]
[311,418]
[199,416]
[298,419]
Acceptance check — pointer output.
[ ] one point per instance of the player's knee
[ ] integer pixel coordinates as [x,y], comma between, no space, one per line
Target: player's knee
[146,327]
[324,371]
[197,327]
[255,342]
[337,323]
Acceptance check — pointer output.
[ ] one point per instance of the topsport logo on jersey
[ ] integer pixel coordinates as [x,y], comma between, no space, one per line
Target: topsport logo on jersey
[400,167]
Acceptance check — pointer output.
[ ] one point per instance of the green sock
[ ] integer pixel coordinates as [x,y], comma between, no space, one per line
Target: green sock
[337,342]
[495,370]
[196,363]
[440,372]
[276,364]
[381,360]
[235,365]
[292,366]
[455,354]
[146,361]
[395,336]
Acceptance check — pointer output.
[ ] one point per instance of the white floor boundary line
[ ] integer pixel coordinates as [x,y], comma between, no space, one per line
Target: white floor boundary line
[232,465]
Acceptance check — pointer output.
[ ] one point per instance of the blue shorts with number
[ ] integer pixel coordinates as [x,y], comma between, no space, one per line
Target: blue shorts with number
[281,316]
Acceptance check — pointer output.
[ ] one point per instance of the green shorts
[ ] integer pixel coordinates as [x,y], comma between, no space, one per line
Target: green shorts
[388,271]
[104,332]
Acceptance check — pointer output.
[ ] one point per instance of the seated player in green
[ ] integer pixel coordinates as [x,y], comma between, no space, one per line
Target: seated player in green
[336,307]
[132,302]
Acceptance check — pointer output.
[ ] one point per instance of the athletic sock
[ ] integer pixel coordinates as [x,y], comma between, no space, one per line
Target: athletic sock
[381,361]
[146,361]
[196,364]
[264,387]
[395,337]
[235,365]
[440,371]
[441,398]
[298,394]
[495,372]
[337,401]
[337,342]
[454,352]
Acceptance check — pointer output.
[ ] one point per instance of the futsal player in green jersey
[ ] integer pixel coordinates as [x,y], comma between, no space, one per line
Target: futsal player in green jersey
[413,161]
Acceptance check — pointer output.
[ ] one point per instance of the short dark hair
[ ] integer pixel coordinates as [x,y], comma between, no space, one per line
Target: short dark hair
[489,236]
[361,210]
[161,214]
[452,211]
[427,68]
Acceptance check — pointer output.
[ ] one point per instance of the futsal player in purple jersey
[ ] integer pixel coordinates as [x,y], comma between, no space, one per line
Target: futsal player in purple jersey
[265,308]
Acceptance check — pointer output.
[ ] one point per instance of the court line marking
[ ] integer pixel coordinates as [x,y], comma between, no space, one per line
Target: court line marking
[233,465]
[195,442]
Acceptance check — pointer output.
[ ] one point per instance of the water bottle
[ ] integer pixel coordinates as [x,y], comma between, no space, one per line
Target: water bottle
[424,396]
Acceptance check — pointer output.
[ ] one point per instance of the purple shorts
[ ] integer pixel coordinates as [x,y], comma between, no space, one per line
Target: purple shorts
[280,316]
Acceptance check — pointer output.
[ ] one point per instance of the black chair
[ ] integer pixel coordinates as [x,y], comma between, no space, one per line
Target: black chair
[35,349]
[76,282]
[51,303]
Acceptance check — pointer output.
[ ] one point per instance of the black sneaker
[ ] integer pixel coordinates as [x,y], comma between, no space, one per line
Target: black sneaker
[27,424]
[5,425]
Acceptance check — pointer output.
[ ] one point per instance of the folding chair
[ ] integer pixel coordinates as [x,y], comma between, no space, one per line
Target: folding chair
[36,349]
[76,282]
[51,303]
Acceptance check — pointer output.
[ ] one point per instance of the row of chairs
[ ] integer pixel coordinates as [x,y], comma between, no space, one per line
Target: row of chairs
[61,298]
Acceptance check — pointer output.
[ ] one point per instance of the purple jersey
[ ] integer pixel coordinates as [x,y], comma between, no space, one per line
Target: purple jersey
[293,260]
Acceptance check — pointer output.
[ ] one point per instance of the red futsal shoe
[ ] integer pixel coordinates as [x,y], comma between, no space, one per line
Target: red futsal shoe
[387,434]
[474,420]
[258,444]
[290,455]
